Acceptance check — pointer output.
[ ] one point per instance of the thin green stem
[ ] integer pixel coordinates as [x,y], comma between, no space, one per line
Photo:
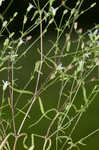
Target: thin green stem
[12,100]
[8,7]
[38,78]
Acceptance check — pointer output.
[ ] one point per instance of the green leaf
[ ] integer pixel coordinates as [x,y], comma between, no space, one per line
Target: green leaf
[84,94]
[1,17]
[32,139]
[2,69]
[42,108]
[21,91]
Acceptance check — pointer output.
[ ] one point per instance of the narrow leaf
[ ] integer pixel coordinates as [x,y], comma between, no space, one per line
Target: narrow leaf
[84,94]
[42,108]
[21,91]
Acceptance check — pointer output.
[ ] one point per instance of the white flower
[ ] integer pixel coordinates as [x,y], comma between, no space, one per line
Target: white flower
[87,55]
[81,65]
[54,10]
[94,36]
[96,31]
[5,84]
[1,2]
[30,7]
[93,33]
[90,34]
[59,67]
[20,42]
[13,56]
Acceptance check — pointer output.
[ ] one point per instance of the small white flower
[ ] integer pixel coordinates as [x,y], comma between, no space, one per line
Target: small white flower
[90,34]
[87,55]
[30,7]
[94,36]
[81,65]
[93,33]
[1,2]
[5,84]
[54,10]
[12,56]
[20,42]
[59,67]
[96,31]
